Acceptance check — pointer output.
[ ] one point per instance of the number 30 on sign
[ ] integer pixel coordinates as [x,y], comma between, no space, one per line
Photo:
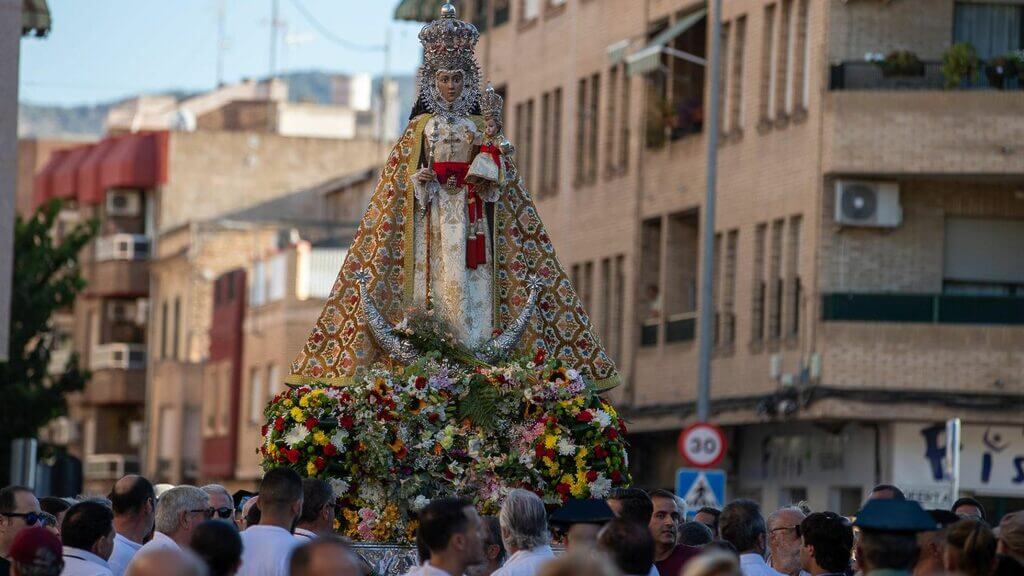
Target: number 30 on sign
[702,445]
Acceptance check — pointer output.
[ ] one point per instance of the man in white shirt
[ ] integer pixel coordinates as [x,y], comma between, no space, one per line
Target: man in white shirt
[452,531]
[134,504]
[88,535]
[317,518]
[178,512]
[742,525]
[267,546]
[524,529]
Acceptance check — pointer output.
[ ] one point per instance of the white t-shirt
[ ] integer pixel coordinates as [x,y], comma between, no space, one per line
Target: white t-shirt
[266,551]
[78,562]
[526,562]
[124,551]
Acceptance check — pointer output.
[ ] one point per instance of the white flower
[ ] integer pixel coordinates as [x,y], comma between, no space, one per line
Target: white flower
[566,447]
[601,487]
[603,418]
[296,435]
[339,439]
[420,502]
[572,374]
[339,486]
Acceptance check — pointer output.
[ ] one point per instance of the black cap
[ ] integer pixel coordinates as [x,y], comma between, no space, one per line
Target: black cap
[582,512]
[240,497]
[943,517]
[894,516]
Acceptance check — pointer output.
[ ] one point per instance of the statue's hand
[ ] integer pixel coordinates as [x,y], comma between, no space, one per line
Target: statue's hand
[424,176]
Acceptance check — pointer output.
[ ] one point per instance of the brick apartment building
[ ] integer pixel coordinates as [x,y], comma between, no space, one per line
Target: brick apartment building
[843,334]
[142,325]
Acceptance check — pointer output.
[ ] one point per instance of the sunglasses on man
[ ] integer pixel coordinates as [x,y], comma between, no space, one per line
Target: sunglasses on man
[30,518]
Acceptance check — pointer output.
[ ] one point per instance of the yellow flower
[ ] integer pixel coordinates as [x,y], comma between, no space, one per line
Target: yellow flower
[310,468]
[550,440]
[297,414]
[272,448]
[319,438]
[304,401]
[287,402]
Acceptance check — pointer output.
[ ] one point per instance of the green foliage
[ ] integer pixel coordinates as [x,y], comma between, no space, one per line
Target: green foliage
[46,279]
[479,404]
[902,63]
[958,63]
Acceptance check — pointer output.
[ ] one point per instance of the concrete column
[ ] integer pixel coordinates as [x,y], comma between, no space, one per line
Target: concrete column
[10,44]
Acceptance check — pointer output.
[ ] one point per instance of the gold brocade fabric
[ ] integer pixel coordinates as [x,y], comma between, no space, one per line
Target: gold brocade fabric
[383,246]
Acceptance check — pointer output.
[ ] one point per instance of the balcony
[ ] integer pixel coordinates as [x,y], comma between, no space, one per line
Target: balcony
[110,466]
[120,265]
[924,308]
[870,76]
[118,374]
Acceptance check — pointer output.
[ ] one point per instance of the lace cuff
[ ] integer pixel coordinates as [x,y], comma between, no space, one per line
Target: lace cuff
[425,193]
[488,192]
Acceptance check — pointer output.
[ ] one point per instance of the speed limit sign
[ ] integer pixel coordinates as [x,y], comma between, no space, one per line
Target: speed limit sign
[702,445]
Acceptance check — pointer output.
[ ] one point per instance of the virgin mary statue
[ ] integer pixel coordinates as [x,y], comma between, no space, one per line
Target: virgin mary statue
[452,228]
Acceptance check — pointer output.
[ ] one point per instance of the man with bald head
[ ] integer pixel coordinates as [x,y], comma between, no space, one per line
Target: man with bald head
[134,503]
[324,556]
[167,562]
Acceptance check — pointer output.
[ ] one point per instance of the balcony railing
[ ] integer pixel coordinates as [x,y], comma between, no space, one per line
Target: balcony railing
[110,466]
[118,356]
[923,308]
[123,247]
[869,76]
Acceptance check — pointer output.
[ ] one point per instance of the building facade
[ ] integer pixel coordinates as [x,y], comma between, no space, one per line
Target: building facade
[865,288]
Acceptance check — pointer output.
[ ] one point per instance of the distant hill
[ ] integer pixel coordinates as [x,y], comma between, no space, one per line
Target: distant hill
[37,121]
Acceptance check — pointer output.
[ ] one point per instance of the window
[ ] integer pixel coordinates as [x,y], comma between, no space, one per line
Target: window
[211,389]
[993,29]
[531,9]
[775,288]
[682,251]
[274,383]
[612,302]
[529,143]
[581,130]
[802,58]
[524,137]
[257,396]
[582,280]
[624,121]
[723,80]
[257,285]
[550,149]
[480,15]
[277,277]
[224,402]
[177,328]
[650,279]
[982,257]
[594,113]
[163,330]
[611,118]
[794,288]
[545,153]
[556,139]
[501,12]
[758,289]
[739,47]
[687,85]
[768,72]
[728,319]
[784,57]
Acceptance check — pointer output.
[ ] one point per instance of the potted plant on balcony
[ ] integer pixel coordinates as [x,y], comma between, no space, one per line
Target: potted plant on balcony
[901,63]
[1000,69]
[959,64]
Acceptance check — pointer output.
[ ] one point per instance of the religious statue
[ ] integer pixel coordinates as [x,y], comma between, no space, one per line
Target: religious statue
[452,229]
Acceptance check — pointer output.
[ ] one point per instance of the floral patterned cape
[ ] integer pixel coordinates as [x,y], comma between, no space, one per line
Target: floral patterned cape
[383,246]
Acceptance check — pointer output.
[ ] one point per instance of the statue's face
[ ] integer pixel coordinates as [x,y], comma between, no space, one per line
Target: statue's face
[450,84]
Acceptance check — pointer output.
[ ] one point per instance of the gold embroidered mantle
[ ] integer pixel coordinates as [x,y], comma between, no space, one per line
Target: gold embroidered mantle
[383,247]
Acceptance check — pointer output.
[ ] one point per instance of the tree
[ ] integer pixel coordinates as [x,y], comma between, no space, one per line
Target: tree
[46,279]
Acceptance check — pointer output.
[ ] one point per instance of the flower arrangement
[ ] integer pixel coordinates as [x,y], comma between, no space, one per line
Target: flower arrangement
[398,436]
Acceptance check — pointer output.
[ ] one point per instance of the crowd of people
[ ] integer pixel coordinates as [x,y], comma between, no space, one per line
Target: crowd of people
[288,529]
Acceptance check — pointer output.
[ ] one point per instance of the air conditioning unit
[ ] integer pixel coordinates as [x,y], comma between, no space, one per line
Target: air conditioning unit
[124,203]
[867,203]
[118,357]
[122,311]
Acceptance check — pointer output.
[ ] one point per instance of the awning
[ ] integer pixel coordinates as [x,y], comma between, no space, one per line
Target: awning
[649,58]
[418,10]
[617,52]
[35,18]
[65,176]
[42,183]
[90,189]
[135,161]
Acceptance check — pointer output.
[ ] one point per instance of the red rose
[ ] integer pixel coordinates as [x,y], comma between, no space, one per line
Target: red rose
[421,382]
[538,358]
[551,453]
[591,476]
[311,423]
[346,422]
[402,453]
[584,416]
[320,463]
[563,489]
[293,456]
[616,476]
[539,450]
[330,450]
[612,433]
[279,424]
[263,430]
[600,452]
[622,427]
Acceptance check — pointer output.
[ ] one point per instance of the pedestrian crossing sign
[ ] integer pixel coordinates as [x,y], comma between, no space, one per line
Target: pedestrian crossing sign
[700,488]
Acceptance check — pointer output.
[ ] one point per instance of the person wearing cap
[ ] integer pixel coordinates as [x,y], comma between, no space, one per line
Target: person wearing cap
[580,521]
[933,544]
[133,500]
[968,507]
[88,536]
[888,542]
[1010,550]
[19,509]
[36,552]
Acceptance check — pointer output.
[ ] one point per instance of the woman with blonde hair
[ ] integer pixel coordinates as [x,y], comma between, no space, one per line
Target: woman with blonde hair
[713,564]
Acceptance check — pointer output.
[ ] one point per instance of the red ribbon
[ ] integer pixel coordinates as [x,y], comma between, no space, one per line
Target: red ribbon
[476,243]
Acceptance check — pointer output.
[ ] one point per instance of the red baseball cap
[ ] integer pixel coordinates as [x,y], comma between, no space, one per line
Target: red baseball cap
[37,546]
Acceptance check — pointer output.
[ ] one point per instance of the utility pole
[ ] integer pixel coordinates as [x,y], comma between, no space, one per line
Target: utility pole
[385,92]
[707,272]
[271,104]
[221,41]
